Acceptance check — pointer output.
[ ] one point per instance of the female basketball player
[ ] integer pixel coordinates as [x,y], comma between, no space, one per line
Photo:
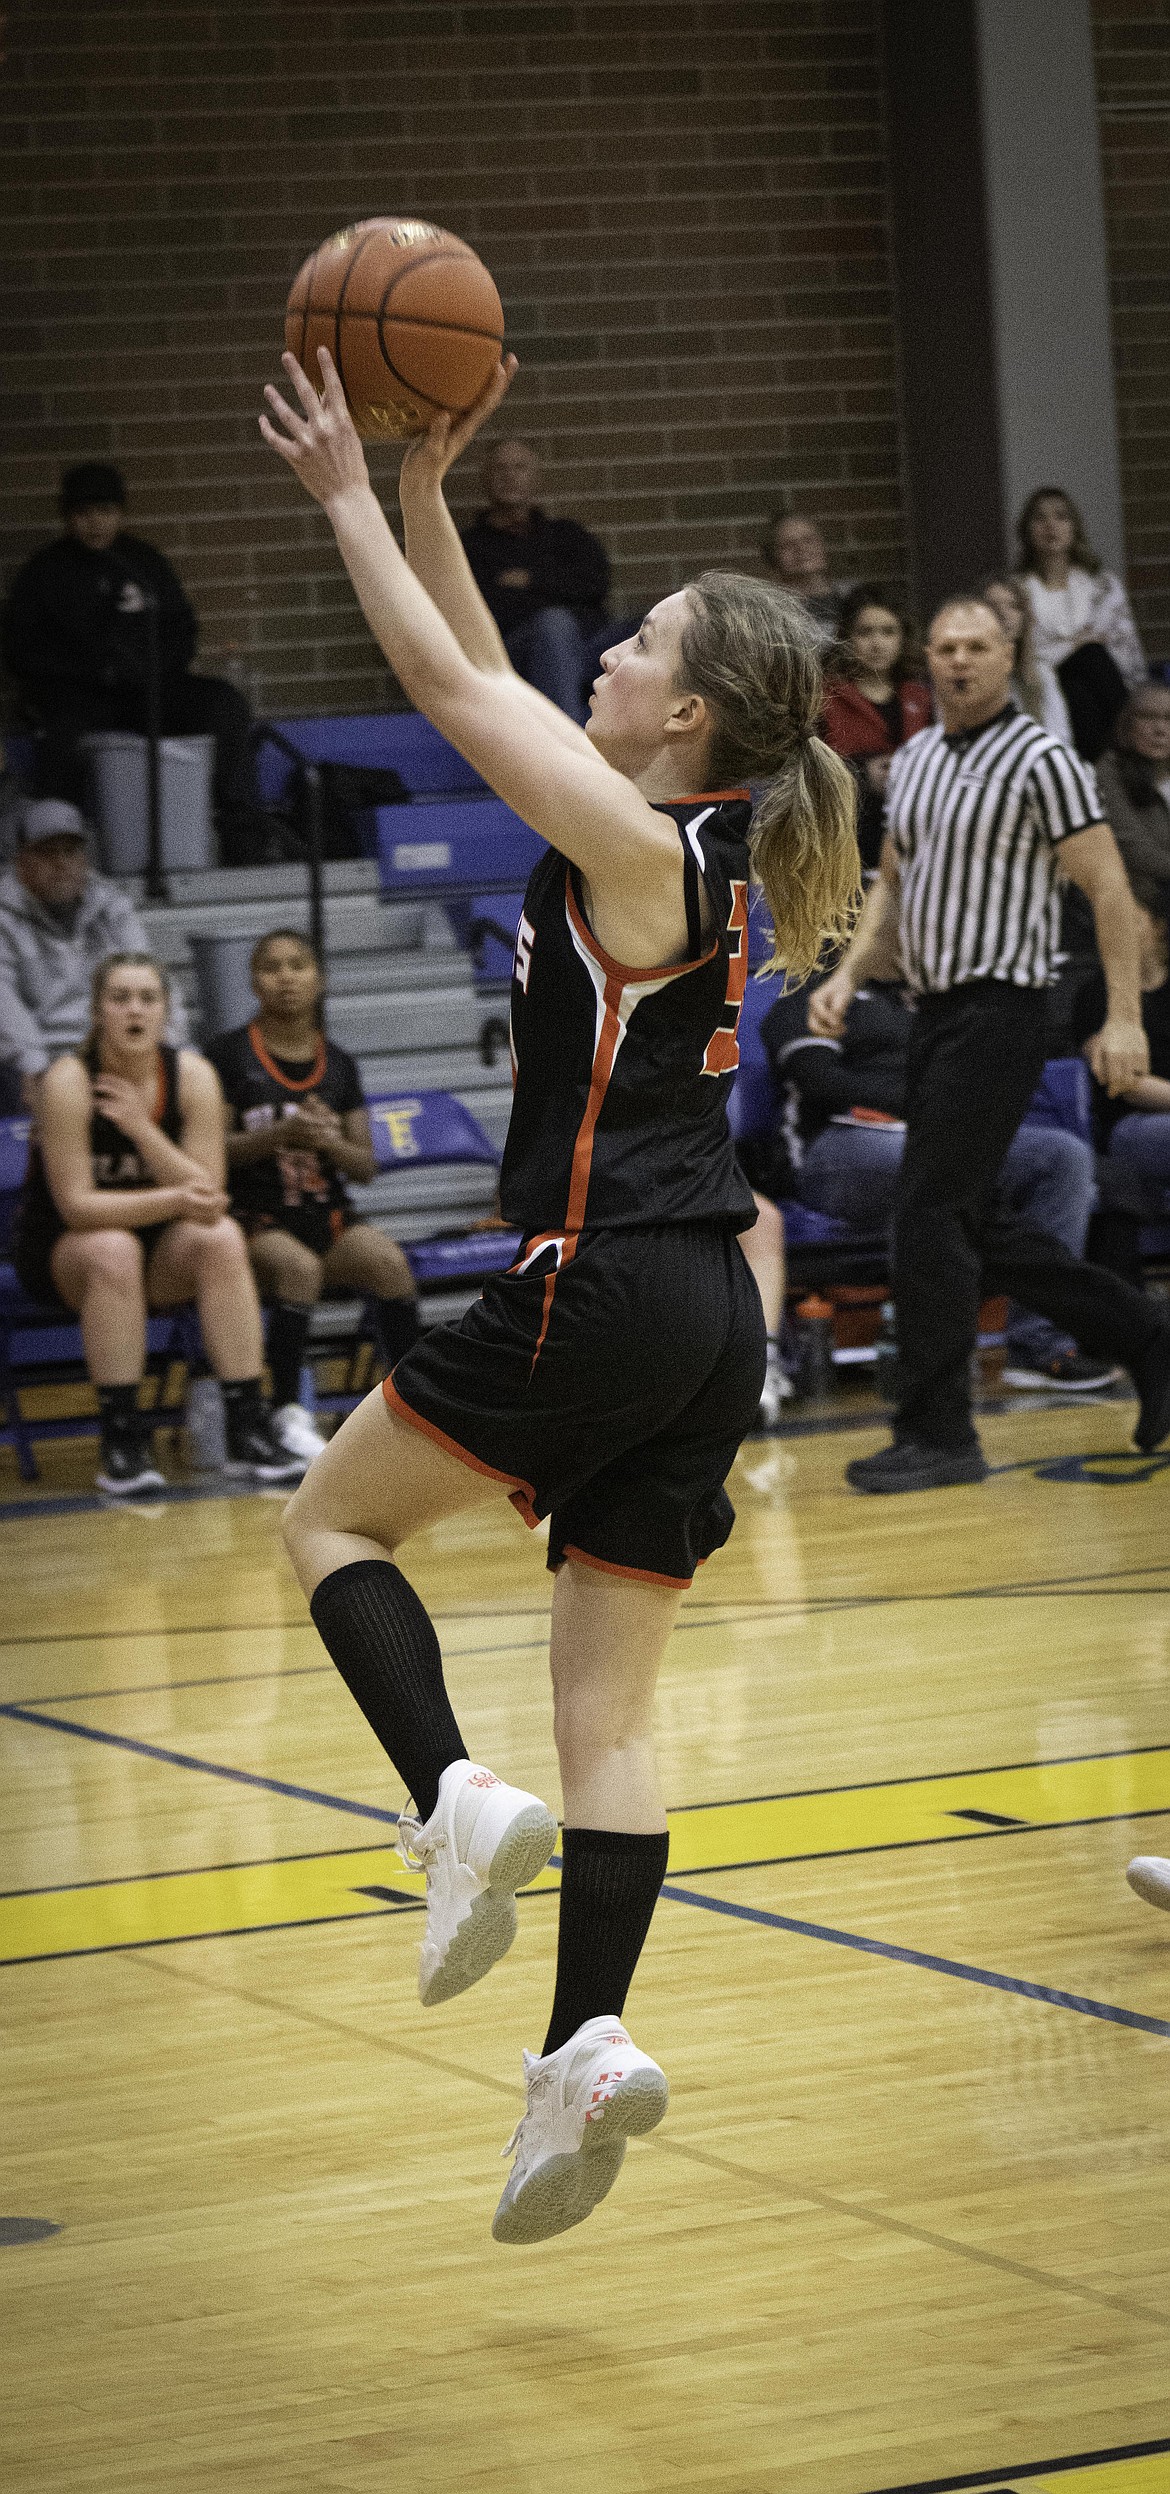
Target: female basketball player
[124,1210]
[297,1129]
[607,1380]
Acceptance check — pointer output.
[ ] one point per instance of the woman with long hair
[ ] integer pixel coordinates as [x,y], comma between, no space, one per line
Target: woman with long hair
[607,1380]
[1134,780]
[1034,682]
[297,1129]
[1081,616]
[875,698]
[124,1211]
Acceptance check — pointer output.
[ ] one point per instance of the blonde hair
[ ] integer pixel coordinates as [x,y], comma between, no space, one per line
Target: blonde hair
[753,652]
[1026,674]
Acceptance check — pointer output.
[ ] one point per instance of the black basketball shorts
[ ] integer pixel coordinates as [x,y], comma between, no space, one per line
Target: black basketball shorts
[609,1391]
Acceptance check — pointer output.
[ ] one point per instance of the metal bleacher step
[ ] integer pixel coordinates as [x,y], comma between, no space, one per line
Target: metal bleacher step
[261,883]
[461,1070]
[432,1018]
[454,1189]
[353,924]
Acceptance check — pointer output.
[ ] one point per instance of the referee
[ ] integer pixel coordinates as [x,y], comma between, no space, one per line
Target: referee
[984,814]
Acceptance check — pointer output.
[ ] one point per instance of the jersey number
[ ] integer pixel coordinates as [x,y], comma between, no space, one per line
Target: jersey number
[722,1055]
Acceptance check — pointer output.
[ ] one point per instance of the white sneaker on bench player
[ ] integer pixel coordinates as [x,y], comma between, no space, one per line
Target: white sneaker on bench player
[483,1840]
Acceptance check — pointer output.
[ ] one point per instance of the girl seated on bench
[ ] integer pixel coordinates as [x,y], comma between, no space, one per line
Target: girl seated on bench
[297,1128]
[124,1211]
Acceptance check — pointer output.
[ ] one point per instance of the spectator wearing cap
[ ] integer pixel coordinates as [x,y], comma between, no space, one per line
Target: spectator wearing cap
[58,920]
[795,556]
[75,638]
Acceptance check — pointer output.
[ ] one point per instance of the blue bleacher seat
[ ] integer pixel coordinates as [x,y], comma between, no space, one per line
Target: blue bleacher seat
[401,741]
[417,1128]
[1063,1097]
[454,848]
[491,934]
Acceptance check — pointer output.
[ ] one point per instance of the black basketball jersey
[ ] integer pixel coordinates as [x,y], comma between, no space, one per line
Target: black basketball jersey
[622,1075]
[117,1163]
[261,1088]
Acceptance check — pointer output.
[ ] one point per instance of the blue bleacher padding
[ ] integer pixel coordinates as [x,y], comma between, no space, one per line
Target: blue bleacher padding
[421,1128]
[493,951]
[1063,1097]
[455,848]
[463,1259]
[752,1104]
[401,741]
[804,1228]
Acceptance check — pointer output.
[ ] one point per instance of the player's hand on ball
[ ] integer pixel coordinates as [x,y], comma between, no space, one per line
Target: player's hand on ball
[317,440]
[427,456]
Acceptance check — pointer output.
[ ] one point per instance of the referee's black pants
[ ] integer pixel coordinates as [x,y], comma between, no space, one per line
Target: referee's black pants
[976,1055]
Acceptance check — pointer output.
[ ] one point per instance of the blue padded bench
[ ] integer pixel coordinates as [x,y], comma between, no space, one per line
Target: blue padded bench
[401,741]
[414,1129]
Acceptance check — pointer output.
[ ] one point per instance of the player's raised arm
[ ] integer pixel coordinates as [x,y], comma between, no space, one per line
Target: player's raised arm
[566,791]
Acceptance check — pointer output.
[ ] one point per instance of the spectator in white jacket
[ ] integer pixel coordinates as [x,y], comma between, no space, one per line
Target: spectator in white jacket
[58,919]
[1034,683]
[1082,623]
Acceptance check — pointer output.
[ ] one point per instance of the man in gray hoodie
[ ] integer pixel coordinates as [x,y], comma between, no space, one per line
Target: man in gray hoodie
[58,919]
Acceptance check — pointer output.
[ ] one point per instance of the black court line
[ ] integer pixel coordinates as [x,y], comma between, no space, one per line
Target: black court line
[231,1931]
[194,1870]
[1001,2477]
[683,1896]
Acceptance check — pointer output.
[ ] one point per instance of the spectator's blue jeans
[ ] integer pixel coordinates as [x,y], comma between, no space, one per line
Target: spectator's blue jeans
[1048,1176]
[1142,1142]
[556,653]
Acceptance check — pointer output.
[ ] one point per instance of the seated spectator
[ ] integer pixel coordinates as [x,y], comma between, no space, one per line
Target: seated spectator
[297,1128]
[842,1102]
[874,700]
[124,1210]
[546,581]
[1133,1130]
[58,920]
[1134,780]
[1034,683]
[794,554]
[1081,617]
[75,639]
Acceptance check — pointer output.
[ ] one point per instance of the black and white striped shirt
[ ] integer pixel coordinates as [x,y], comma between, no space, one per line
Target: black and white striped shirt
[976,820]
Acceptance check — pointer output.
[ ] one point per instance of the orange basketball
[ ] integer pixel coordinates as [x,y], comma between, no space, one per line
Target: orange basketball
[410,316]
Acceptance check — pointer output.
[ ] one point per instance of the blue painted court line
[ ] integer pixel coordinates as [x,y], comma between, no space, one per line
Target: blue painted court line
[1046,1993]
[922,1957]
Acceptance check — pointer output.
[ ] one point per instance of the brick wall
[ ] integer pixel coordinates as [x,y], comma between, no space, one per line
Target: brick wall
[683,202]
[1132,43]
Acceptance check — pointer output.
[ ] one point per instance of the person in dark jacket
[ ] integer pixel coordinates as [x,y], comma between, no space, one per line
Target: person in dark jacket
[75,638]
[842,1105]
[1134,780]
[546,581]
[874,700]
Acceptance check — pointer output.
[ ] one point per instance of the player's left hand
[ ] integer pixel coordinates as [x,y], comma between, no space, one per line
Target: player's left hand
[1118,1054]
[428,455]
[318,440]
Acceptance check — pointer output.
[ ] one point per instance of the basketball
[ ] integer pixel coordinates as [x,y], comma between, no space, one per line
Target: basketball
[410,316]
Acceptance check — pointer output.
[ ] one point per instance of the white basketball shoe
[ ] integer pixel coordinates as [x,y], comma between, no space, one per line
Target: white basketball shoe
[584,2102]
[483,1840]
[1149,1877]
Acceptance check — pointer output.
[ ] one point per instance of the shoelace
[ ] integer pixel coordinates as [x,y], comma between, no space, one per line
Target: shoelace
[416,1851]
[536,2088]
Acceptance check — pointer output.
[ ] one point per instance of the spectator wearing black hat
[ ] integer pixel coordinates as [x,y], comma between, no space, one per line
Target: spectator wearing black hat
[58,920]
[75,639]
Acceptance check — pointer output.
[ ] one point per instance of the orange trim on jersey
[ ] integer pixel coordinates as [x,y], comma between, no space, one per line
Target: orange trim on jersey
[707,796]
[287,1081]
[624,971]
[636,1575]
[521,1493]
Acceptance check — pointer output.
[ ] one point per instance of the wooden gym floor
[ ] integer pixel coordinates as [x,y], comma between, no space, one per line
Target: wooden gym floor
[906,2222]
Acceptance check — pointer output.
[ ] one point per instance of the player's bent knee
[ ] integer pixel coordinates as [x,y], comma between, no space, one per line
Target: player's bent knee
[112,1256]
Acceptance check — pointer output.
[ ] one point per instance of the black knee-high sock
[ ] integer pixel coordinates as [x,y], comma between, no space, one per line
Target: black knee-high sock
[288,1332]
[609,1889]
[388,1655]
[396,1326]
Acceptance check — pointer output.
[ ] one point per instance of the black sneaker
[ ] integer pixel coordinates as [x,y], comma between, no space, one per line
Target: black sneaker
[254,1451]
[127,1468]
[908,1464]
[1067,1372]
[1151,1376]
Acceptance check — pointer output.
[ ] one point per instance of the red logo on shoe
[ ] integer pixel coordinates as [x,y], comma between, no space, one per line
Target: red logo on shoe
[482,1778]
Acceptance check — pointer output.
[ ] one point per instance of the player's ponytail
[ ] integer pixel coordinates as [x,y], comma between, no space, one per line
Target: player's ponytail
[753,652]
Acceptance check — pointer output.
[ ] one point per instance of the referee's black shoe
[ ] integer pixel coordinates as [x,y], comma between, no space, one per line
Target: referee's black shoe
[1151,1376]
[909,1464]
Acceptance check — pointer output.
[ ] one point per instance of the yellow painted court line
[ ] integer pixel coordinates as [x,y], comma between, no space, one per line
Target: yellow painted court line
[132,1913]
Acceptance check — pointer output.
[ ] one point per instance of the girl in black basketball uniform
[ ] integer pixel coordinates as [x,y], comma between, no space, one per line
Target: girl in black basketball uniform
[297,1129]
[607,1380]
[124,1210]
